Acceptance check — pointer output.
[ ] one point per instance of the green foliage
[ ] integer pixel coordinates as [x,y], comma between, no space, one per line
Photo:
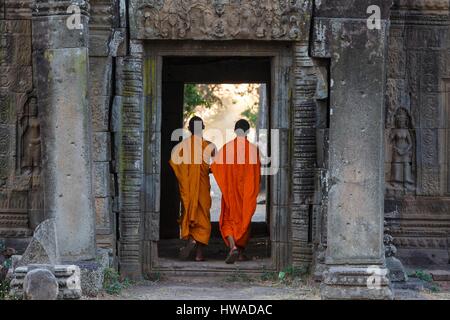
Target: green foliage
[269,276]
[292,273]
[422,275]
[287,275]
[4,289]
[251,114]
[198,95]
[435,288]
[112,282]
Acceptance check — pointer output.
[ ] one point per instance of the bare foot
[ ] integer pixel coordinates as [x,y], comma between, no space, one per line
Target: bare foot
[186,251]
[199,256]
[232,256]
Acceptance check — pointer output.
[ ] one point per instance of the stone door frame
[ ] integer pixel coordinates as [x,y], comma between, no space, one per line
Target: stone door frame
[281,62]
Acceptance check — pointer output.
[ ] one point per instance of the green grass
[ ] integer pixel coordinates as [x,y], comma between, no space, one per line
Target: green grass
[112,283]
[425,276]
[291,273]
[4,290]
[286,276]
[422,275]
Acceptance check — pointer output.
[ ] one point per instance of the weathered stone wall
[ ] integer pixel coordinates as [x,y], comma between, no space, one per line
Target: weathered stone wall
[21,198]
[106,42]
[19,165]
[417,118]
[418,130]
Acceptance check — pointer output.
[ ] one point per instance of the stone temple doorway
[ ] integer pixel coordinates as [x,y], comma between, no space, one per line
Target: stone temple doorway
[177,72]
[173,70]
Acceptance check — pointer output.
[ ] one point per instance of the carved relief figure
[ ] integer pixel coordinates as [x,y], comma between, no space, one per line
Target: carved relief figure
[219,6]
[402,142]
[150,20]
[175,23]
[223,19]
[200,20]
[30,151]
[247,22]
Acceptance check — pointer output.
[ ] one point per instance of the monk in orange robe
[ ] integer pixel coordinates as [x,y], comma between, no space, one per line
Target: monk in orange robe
[237,170]
[190,161]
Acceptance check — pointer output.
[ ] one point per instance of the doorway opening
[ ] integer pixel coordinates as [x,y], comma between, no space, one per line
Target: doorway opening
[221,90]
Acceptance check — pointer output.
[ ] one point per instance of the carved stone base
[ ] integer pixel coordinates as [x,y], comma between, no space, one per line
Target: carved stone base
[356,283]
[68,276]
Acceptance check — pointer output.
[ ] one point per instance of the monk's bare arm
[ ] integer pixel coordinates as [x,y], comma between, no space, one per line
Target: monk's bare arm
[213,149]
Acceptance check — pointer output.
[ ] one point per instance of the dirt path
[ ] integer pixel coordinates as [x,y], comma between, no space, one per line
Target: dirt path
[213,288]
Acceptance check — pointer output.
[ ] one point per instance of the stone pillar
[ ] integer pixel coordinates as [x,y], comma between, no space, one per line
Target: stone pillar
[60,41]
[355,253]
[127,124]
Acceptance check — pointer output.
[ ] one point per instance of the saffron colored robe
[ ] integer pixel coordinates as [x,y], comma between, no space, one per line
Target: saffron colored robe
[190,162]
[237,170]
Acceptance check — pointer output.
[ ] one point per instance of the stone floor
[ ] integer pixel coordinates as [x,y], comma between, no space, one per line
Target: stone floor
[229,288]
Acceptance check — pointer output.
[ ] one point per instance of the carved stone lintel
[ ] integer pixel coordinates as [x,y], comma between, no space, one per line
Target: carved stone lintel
[220,19]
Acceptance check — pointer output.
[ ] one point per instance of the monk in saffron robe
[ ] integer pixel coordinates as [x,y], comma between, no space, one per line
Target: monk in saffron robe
[237,170]
[190,161]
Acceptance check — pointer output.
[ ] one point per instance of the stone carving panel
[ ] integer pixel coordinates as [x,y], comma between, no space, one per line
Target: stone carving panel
[220,19]
[402,142]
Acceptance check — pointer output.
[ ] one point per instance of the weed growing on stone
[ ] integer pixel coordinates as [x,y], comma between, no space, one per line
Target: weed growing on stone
[291,274]
[422,275]
[4,290]
[112,283]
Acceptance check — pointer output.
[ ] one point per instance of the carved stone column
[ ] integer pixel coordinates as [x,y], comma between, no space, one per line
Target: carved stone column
[355,253]
[60,41]
[128,147]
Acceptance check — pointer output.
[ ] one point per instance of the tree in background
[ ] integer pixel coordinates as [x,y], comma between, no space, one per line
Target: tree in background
[251,114]
[199,95]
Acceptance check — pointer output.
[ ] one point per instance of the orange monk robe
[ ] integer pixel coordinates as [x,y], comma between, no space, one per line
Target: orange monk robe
[237,170]
[190,162]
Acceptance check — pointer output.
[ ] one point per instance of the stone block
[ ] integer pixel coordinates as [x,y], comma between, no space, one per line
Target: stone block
[103,215]
[350,9]
[99,43]
[21,50]
[356,282]
[101,179]
[440,275]
[2,9]
[101,147]
[47,33]
[68,278]
[100,113]
[18,9]
[100,74]
[152,191]
[40,284]
[397,272]
[16,78]
[118,43]
[92,273]
[43,247]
